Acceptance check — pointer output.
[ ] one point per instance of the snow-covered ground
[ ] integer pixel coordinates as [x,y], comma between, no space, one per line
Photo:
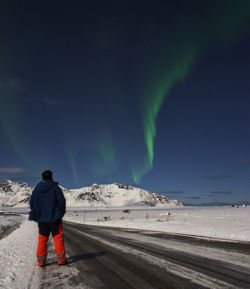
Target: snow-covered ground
[217,222]
[18,265]
[18,250]
[17,255]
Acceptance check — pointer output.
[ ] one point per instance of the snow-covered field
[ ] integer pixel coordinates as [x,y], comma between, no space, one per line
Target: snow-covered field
[217,222]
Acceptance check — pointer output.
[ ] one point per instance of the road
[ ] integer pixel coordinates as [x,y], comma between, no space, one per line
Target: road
[105,257]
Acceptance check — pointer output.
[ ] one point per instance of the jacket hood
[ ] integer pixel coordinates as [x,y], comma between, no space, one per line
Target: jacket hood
[46,186]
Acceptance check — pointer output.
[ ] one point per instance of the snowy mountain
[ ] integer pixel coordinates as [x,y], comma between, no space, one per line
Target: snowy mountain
[113,195]
[117,195]
[14,194]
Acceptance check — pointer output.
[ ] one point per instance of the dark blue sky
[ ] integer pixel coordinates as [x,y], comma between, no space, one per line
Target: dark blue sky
[152,93]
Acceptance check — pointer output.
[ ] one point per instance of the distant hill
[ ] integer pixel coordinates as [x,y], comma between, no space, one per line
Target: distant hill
[112,195]
[240,203]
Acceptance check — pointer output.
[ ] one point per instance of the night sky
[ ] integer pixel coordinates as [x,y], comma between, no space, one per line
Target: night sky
[150,93]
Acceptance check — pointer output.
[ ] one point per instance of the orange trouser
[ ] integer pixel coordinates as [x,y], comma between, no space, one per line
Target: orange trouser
[57,233]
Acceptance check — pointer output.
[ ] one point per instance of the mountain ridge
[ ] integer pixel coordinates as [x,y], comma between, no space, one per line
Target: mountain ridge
[14,194]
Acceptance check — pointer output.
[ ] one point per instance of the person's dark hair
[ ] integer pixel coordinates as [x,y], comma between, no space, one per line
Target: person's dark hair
[47,175]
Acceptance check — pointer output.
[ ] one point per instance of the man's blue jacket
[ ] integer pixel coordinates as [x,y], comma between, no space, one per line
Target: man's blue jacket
[47,203]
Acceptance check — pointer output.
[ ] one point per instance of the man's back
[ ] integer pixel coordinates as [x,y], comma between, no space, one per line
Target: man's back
[47,202]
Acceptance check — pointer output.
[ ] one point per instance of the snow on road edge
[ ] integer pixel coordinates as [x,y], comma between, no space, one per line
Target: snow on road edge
[18,256]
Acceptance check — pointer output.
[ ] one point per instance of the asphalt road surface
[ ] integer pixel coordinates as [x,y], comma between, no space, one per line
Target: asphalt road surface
[112,258]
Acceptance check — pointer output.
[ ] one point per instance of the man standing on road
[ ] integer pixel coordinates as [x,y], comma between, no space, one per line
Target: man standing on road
[47,207]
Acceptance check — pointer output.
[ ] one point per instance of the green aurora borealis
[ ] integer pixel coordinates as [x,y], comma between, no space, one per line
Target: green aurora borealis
[220,24]
[106,75]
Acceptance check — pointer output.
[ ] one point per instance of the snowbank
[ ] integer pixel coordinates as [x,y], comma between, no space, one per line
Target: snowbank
[17,255]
